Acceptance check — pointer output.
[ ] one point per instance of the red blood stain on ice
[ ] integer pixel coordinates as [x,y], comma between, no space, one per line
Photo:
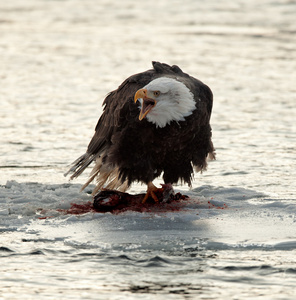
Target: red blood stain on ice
[79,209]
[117,202]
[211,205]
[43,218]
[116,206]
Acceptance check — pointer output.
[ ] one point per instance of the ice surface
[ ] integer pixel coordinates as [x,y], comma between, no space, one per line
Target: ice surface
[229,216]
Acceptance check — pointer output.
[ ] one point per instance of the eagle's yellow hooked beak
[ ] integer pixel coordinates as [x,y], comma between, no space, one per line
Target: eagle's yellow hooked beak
[147,103]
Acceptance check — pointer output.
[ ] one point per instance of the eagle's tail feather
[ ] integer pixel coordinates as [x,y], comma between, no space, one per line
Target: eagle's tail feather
[80,164]
[105,174]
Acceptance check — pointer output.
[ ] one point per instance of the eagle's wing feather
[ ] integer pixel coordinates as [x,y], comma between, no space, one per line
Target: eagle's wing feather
[202,138]
[118,107]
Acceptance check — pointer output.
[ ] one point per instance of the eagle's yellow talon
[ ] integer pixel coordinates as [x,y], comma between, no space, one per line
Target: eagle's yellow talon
[154,197]
[151,193]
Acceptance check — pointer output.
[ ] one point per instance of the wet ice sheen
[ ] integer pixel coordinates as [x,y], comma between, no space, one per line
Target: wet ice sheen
[59,60]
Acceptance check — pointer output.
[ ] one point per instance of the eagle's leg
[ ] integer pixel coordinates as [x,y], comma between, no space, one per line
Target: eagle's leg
[151,190]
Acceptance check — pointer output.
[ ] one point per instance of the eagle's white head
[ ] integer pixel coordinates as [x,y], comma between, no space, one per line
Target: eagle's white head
[164,100]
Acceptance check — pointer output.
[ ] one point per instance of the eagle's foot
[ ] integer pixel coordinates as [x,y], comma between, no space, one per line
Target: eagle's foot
[152,191]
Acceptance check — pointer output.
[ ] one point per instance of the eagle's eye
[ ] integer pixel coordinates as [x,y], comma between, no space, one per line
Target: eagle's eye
[156,93]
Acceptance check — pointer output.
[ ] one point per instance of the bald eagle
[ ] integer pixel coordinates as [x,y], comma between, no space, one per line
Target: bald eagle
[156,122]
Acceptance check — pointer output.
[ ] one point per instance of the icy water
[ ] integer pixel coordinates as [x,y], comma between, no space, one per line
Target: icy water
[236,236]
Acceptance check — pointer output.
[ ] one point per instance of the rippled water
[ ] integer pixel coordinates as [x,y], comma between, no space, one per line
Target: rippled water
[234,238]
